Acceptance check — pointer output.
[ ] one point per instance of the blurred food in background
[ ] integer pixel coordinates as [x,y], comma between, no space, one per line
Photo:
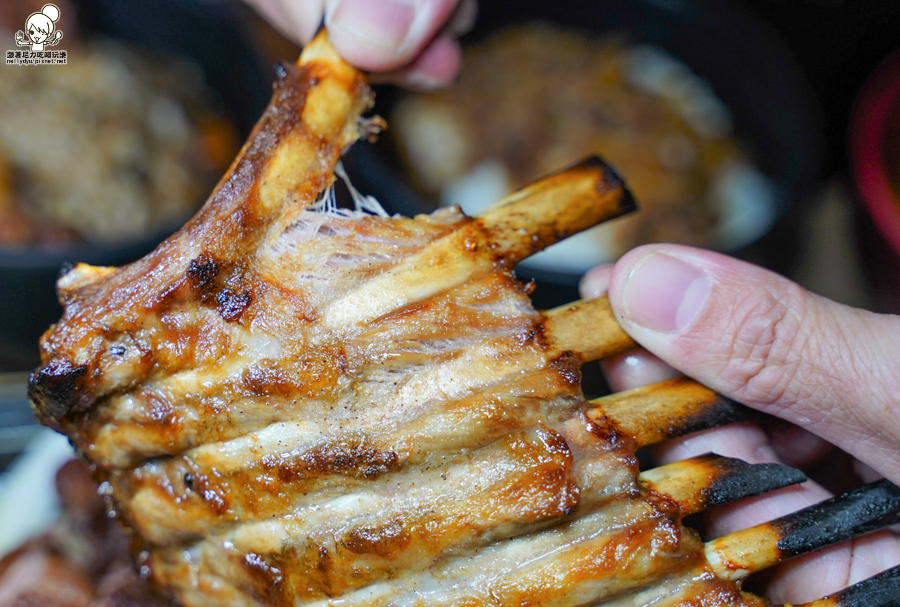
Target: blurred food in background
[875,164]
[83,559]
[113,147]
[536,97]
[104,156]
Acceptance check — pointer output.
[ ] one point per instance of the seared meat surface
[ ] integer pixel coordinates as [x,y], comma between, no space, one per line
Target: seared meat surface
[291,404]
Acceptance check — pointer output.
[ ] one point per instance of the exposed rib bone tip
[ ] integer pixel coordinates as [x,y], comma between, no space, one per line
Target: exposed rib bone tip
[611,180]
[712,480]
[80,275]
[740,479]
[588,328]
[525,222]
[555,207]
[863,510]
[667,409]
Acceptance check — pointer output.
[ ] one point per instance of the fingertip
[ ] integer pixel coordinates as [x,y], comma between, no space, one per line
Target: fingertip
[810,576]
[709,261]
[663,293]
[634,369]
[370,34]
[596,281]
[873,554]
[463,19]
[305,18]
[438,66]
[388,35]
[298,21]
[794,445]
[744,441]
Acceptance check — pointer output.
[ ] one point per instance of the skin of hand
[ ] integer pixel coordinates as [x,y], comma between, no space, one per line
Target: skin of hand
[762,340]
[408,42]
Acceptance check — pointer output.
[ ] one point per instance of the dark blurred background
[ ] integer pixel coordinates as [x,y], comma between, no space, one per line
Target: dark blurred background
[838,44]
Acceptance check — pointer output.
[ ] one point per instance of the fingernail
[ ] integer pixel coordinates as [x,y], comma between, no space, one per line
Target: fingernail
[383,23]
[665,294]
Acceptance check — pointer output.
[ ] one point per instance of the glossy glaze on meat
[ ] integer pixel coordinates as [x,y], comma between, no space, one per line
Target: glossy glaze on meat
[293,407]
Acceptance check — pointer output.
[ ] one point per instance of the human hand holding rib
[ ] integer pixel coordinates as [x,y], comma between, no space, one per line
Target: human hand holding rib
[764,341]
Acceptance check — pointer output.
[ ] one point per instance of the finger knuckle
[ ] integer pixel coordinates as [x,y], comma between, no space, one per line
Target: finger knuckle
[763,358]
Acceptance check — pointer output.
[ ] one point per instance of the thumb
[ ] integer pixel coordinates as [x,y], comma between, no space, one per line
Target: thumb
[383,35]
[762,340]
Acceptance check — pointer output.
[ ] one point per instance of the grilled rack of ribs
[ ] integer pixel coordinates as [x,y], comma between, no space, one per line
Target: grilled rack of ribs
[291,404]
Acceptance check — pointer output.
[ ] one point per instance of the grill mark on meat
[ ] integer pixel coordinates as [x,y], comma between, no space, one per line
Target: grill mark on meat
[422,442]
[266,581]
[548,490]
[202,273]
[616,561]
[380,540]
[213,282]
[356,458]
[266,378]
[313,375]
[212,492]
[595,561]
[605,429]
[233,304]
